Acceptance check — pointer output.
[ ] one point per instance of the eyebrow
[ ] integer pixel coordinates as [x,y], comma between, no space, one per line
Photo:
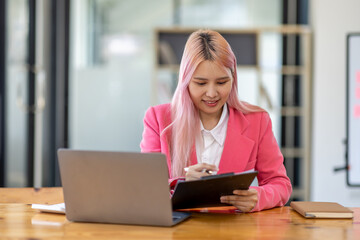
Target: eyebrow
[220,78]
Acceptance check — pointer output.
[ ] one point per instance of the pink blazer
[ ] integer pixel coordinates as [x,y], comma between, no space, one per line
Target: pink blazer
[249,144]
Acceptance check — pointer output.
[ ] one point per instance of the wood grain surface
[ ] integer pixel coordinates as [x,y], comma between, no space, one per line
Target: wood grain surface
[19,221]
[50,195]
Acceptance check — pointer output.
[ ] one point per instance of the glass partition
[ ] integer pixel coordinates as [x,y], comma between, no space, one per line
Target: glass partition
[112,70]
[113,73]
[16,93]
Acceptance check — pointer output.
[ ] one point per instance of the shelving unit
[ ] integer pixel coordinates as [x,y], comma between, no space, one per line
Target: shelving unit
[293,107]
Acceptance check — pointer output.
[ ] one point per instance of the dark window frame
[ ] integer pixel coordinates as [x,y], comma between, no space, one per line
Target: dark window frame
[59,86]
[31,62]
[3,15]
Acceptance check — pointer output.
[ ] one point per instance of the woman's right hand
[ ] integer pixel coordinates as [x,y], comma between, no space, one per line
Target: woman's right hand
[199,170]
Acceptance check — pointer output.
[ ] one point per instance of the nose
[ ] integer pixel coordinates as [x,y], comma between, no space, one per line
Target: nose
[211,91]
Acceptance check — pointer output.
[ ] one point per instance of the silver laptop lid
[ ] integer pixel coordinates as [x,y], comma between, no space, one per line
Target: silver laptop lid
[115,187]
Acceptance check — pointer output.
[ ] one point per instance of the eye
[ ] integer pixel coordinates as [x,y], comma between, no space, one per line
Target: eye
[221,83]
[200,83]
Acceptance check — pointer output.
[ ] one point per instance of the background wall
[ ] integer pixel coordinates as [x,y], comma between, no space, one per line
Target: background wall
[331,21]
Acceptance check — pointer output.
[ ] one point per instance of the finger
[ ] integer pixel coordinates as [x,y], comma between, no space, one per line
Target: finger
[190,178]
[237,198]
[242,206]
[194,175]
[237,203]
[234,198]
[201,166]
[240,203]
[244,192]
[210,167]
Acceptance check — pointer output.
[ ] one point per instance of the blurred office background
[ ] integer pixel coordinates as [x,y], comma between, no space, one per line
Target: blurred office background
[81,73]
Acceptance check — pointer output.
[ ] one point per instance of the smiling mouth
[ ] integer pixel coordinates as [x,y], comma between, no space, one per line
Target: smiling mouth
[211,103]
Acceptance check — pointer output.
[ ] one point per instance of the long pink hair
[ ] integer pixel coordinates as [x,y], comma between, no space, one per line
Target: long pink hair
[202,45]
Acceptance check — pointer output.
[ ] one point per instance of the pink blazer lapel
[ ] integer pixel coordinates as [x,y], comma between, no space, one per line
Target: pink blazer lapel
[237,147]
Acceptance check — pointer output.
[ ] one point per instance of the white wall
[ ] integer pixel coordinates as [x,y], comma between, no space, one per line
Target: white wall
[331,21]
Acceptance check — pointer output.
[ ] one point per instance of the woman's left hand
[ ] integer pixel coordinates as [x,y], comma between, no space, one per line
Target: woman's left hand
[244,200]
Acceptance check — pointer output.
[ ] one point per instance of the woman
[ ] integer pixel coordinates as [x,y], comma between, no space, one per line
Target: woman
[206,128]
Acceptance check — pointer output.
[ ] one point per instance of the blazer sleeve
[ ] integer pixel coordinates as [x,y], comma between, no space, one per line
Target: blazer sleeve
[151,141]
[274,185]
[151,135]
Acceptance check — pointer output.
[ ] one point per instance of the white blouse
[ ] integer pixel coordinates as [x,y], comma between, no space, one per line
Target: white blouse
[210,147]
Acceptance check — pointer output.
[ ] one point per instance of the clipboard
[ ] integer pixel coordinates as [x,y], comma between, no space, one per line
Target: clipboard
[206,192]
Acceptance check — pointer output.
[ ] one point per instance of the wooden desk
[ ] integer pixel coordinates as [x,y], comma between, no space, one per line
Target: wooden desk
[21,222]
[45,195]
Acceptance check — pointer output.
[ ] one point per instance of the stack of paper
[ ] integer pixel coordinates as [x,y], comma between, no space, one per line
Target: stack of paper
[54,208]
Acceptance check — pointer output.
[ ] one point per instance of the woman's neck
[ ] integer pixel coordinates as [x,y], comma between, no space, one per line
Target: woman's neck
[209,121]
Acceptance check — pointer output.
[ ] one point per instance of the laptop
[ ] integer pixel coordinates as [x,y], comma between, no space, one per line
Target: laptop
[117,187]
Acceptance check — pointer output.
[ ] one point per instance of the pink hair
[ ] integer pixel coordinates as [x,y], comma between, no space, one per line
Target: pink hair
[202,45]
